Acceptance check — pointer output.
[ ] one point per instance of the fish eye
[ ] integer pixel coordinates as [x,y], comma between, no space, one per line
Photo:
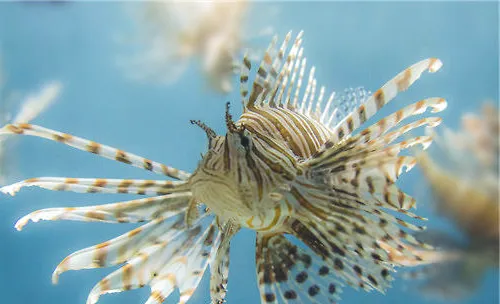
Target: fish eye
[245,141]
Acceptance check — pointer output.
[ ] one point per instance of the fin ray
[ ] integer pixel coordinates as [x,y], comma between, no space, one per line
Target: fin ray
[99,185]
[133,211]
[95,148]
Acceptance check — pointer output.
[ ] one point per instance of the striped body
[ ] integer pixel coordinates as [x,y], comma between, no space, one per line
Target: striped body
[243,182]
[302,135]
[247,184]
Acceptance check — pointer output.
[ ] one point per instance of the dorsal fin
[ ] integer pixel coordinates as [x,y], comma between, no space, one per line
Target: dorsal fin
[279,83]
[272,75]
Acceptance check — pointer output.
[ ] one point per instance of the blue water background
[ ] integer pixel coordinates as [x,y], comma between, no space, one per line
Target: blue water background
[351,44]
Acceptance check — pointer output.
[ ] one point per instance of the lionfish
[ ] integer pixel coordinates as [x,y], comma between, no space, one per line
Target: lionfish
[285,169]
[176,32]
[464,181]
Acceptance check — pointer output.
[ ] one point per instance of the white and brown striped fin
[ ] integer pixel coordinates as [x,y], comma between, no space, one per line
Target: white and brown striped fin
[100,185]
[374,164]
[185,272]
[285,71]
[278,78]
[390,137]
[136,273]
[133,211]
[387,123]
[199,259]
[245,67]
[359,189]
[274,75]
[358,185]
[293,274]
[374,138]
[377,184]
[124,247]
[95,148]
[164,265]
[382,96]
[426,257]
[297,73]
[259,86]
[219,264]
[366,164]
[308,90]
[393,230]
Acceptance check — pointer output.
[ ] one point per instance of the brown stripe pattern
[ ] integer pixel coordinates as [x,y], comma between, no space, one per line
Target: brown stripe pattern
[95,148]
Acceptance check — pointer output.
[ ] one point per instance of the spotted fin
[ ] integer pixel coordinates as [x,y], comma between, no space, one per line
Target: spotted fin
[344,244]
[95,148]
[292,273]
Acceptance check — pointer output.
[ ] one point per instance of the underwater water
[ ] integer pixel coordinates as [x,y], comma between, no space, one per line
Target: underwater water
[79,44]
